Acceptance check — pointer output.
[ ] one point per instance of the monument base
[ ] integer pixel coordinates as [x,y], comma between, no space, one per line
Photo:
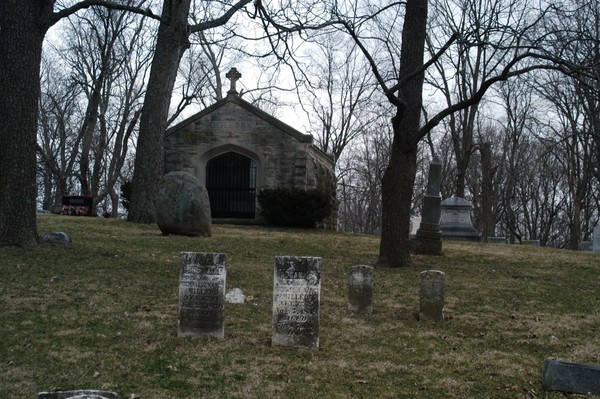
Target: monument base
[420,246]
[458,234]
[428,240]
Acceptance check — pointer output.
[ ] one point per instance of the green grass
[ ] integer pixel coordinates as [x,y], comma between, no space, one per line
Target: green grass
[102,314]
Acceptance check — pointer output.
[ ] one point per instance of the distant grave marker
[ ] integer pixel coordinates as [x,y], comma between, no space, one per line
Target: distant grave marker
[202,294]
[428,240]
[296,302]
[596,242]
[360,289]
[455,221]
[587,246]
[76,205]
[432,295]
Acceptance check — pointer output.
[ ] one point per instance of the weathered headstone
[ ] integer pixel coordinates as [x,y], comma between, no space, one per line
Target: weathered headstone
[182,206]
[428,240]
[596,242]
[532,243]
[296,302]
[587,246]
[415,223]
[202,294]
[497,240]
[81,394]
[360,289]
[432,295]
[571,377]
[455,221]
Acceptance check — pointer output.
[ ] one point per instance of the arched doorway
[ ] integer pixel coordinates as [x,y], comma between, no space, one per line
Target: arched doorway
[231,185]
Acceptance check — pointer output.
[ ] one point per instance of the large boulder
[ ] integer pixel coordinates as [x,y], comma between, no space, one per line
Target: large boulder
[182,206]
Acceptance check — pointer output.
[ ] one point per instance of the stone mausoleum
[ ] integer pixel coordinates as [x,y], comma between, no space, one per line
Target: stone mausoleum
[235,149]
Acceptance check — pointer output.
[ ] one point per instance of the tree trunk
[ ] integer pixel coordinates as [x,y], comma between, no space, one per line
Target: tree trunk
[397,189]
[399,178]
[20,57]
[48,197]
[462,164]
[487,211]
[114,200]
[172,41]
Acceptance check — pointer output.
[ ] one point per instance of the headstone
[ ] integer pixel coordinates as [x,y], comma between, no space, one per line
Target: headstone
[533,243]
[596,244]
[360,289]
[81,394]
[202,294]
[296,302]
[182,206]
[428,240]
[571,377]
[497,240]
[587,246]
[415,223]
[235,296]
[455,221]
[76,205]
[55,237]
[432,295]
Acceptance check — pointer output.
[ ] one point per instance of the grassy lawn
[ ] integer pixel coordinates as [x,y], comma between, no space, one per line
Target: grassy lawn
[102,314]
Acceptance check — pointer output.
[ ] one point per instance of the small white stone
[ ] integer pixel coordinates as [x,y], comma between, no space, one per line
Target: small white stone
[235,295]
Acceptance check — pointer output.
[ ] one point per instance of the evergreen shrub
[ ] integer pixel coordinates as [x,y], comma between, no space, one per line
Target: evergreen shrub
[295,207]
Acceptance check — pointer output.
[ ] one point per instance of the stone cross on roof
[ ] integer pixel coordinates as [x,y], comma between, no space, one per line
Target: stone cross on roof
[233,75]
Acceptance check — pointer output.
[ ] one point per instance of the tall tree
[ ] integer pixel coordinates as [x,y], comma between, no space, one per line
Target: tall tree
[400,76]
[24,26]
[172,41]
[57,145]
[92,87]
[399,178]
[360,172]
[23,29]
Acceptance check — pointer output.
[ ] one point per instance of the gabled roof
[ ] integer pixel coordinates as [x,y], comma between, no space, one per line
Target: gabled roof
[234,98]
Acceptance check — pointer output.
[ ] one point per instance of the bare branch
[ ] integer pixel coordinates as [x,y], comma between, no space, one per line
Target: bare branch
[506,73]
[213,23]
[57,16]
[433,60]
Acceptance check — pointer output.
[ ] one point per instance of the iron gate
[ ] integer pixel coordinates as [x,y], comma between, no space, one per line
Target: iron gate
[231,185]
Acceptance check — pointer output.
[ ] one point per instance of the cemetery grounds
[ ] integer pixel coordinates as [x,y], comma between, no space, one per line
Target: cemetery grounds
[102,314]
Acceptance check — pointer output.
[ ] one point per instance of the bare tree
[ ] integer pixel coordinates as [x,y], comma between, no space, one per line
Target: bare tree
[398,65]
[104,60]
[339,102]
[570,144]
[359,180]
[484,178]
[57,146]
[24,26]
[514,149]
[172,41]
